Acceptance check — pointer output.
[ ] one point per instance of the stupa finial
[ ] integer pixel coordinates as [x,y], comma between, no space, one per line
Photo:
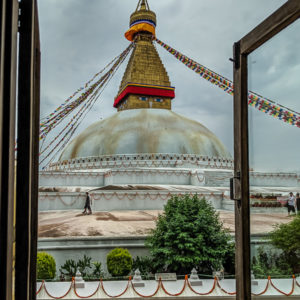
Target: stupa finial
[142,5]
[142,20]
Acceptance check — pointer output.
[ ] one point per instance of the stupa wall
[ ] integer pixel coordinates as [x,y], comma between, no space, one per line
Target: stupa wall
[103,200]
[116,176]
[61,201]
[149,160]
[66,190]
[57,179]
[122,176]
[274,179]
[151,176]
[169,176]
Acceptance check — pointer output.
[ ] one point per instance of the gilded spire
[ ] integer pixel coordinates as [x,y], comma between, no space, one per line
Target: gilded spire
[142,5]
[145,83]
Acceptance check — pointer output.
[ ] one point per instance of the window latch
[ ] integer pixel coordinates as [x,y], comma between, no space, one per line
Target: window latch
[235,187]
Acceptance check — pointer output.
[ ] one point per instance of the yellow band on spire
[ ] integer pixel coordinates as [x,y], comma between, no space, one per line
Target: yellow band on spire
[139,27]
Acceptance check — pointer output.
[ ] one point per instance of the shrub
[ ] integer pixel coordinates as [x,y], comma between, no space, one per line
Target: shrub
[69,268]
[119,262]
[83,265]
[144,264]
[286,237]
[88,269]
[284,259]
[270,262]
[97,272]
[189,234]
[46,266]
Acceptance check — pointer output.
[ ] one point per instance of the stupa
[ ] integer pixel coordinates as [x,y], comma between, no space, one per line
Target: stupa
[132,162]
[145,123]
[145,144]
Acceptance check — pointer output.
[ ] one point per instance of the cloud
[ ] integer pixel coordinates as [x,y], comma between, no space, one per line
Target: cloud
[78,38]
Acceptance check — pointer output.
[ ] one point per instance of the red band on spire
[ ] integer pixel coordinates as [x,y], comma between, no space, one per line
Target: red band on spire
[145,90]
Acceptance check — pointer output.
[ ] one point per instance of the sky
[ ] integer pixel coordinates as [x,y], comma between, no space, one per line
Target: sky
[79,37]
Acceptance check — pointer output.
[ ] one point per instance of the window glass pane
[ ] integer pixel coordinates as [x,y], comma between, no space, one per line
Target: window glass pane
[274,143]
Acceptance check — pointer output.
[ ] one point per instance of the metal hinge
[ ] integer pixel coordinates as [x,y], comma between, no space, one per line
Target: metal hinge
[236,54]
[235,187]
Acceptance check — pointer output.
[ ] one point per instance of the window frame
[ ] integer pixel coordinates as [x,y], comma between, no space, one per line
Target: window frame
[19,121]
[275,23]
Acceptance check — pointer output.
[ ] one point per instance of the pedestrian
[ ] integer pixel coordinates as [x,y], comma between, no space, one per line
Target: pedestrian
[87,205]
[291,203]
[298,203]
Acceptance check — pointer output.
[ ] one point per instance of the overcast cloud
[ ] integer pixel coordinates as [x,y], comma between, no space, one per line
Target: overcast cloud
[79,37]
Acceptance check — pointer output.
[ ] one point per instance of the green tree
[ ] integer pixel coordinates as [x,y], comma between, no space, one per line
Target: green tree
[189,234]
[46,266]
[286,237]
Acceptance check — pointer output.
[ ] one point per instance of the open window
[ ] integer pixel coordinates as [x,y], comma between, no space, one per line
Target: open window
[18,206]
[256,140]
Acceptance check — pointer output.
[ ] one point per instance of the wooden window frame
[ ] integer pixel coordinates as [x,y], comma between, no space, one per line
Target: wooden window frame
[271,26]
[19,62]
[8,62]
[28,130]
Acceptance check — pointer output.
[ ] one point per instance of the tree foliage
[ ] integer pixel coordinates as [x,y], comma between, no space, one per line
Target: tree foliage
[189,234]
[286,237]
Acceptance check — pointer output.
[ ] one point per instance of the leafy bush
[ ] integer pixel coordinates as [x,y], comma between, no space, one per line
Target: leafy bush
[83,265]
[87,268]
[119,262]
[97,272]
[189,234]
[46,266]
[69,268]
[286,237]
[144,264]
[270,262]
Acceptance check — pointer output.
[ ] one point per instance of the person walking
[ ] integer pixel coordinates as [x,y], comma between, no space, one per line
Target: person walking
[291,203]
[298,203]
[87,205]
